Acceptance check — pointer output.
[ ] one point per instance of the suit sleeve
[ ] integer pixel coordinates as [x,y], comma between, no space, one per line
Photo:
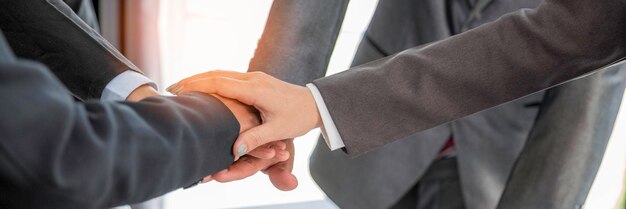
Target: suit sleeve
[99,154]
[49,31]
[521,53]
[298,39]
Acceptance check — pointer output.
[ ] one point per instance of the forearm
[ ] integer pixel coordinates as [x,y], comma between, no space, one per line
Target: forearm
[517,55]
[299,38]
[105,154]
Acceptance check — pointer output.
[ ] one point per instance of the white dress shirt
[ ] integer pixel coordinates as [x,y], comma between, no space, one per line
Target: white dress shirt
[123,84]
[329,130]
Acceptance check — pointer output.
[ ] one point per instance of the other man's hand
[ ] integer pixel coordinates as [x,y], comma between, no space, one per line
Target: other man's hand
[278,168]
[248,118]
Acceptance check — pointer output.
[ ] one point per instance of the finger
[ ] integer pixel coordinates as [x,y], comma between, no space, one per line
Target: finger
[269,150]
[210,85]
[281,177]
[279,145]
[288,165]
[207,179]
[223,86]
[255,137]
[243,168]
[263,152]
[281,155]
[231,74]
[280,174]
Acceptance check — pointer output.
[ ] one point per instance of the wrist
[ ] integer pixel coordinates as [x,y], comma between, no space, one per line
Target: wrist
[141,92]
[315,116]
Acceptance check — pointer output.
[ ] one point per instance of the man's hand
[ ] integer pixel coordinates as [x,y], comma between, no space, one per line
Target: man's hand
[287,110]
[246,115]
[248,118]
[278,168]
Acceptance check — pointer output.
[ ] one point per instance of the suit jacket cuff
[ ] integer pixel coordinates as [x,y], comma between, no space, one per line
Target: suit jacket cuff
[329,131]
[123,84]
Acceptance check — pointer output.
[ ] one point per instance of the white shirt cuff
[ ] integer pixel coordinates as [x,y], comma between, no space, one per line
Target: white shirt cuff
[329,130]
[123,84]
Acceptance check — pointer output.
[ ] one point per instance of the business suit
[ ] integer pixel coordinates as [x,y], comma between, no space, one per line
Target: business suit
[51,33]
[342,179]
[97,64]
[85,10]
[437,78]
[285,52]
[566,146]
[66,154]
[553,58]
[486,144]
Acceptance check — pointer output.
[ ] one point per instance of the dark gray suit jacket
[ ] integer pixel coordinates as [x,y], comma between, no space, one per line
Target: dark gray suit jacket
[56,153]
[51,33]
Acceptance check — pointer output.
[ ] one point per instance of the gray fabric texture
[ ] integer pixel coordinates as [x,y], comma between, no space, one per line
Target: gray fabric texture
[488,142]
[298,39]
[565,148]
[59,153]
[51,33]
[510,58]
[439,188]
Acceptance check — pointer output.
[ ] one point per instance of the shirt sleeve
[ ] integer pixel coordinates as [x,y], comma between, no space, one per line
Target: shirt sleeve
[329,131]
[123,84]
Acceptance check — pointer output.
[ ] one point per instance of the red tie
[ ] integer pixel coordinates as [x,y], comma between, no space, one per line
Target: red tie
[447,148]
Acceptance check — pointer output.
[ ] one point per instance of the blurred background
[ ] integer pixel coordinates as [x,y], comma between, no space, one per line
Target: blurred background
[174,39]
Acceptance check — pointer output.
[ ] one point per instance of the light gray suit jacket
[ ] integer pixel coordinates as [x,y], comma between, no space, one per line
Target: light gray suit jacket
[416,89]
[490,149]
[487,143]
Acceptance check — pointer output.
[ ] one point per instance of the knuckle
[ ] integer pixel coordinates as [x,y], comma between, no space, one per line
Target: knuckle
[261,75]
[211,80]
[255,139]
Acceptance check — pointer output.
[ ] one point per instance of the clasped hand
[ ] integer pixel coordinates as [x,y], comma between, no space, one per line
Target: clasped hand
[286,111]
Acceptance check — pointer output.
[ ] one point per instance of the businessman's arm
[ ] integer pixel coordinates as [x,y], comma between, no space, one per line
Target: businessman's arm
[296,46]
[298,39]
[518,54]
[96,155]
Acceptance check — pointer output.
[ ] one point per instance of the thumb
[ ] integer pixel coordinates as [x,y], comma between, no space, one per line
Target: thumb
[253,138]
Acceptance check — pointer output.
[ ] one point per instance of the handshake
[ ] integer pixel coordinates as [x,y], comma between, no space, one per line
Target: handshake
[286,111]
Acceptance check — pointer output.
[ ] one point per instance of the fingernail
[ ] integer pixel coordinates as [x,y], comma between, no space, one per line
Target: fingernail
[177,90]
[169,88]
[241,150]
